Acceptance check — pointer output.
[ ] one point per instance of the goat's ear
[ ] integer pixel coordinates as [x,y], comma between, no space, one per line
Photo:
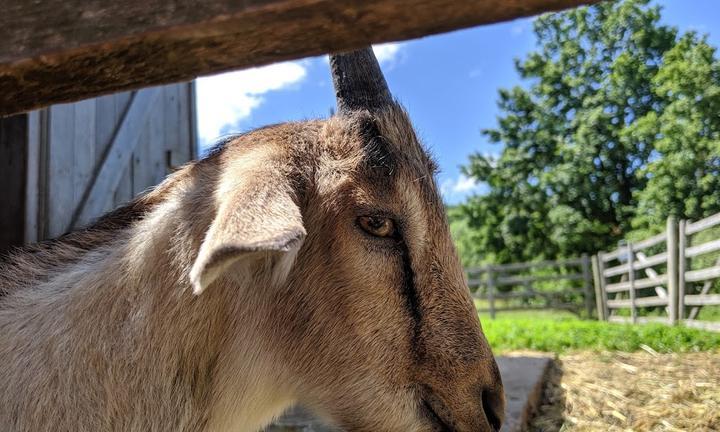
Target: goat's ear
[258,219]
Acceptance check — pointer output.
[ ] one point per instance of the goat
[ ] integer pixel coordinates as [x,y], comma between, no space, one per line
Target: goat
[304,263]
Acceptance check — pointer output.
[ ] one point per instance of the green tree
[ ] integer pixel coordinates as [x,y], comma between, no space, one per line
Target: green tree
[591,140]
[464,237]
[683,179]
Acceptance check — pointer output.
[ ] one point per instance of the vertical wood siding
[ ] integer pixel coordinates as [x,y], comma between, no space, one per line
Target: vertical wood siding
[83,144]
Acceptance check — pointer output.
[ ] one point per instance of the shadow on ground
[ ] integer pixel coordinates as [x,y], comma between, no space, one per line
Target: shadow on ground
[549,415]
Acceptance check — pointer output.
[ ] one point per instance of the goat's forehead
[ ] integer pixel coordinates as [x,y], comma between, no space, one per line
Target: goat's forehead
[399,133]
[393,161]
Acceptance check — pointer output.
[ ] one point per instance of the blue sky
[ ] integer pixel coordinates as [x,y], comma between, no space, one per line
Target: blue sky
[448,83]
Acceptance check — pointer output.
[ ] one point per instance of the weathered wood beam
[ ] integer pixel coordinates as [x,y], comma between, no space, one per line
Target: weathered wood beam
[64,50]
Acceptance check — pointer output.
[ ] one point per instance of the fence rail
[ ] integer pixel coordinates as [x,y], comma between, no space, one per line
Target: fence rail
[520,281]
[665,273]
[631,278]
[620,287]
[707,275]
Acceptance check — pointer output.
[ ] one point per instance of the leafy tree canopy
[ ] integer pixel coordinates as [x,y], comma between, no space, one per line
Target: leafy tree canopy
[616,128]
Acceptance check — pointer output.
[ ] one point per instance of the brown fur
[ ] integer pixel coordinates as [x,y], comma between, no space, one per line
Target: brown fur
[100,330]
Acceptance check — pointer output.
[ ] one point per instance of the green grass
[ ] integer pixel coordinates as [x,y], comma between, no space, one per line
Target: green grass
[560,332]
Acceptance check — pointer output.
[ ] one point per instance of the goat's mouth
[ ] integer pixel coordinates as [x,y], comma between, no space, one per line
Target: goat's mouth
[437,421]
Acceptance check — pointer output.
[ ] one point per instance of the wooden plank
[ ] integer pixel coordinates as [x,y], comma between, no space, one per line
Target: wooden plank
[33,200]
[528,294]
[617,270]
[682,265]
[520,280]
[651,301]
[60,179]
[599,293]
[609,256]
[702,299]
[702,224]
[704,248]
[672,269]
[603,286]
[650,273]
[106,120]
[157,157]
[118,156]
[703,274]
[64,50]
[638,265]
[190,110]
[640,320]
[639,301]
[639,284]
[176,150]
[84,146]
[491,292]
[707,286]
[617,304]
[477,270]
[564,306]
[631,277]
[702,325]
[587,283]
[124,190]
[649,242]
[180,121]
[532,265]
[13,163]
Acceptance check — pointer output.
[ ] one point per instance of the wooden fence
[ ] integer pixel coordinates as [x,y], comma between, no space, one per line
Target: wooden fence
[664,278]
[632,277]
[522,281]
[653,280]
[690,292]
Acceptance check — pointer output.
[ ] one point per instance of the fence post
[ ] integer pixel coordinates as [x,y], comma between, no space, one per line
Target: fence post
[586,284]
[631,278]
[681,267]
[672,268]
[599,294]
[603,291]
[491,291]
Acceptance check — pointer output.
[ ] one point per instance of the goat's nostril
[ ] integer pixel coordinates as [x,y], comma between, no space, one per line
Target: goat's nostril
[493,406]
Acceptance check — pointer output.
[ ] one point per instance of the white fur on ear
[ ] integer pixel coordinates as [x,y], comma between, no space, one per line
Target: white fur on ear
[257,219]
[214,259]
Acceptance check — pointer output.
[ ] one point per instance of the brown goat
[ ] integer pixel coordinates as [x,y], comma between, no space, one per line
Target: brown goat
[301,263]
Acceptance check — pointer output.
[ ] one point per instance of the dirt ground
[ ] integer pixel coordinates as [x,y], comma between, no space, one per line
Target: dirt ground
[643,391]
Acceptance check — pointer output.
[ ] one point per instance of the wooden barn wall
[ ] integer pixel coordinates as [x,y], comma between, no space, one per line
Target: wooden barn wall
[97,154]
[13,159]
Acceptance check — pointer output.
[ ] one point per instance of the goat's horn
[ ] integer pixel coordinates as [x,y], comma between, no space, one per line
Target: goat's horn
[359,82]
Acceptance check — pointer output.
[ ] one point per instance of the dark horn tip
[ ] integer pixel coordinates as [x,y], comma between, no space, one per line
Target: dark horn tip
[359,82]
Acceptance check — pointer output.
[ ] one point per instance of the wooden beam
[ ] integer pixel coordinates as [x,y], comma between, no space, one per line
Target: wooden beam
[65,50]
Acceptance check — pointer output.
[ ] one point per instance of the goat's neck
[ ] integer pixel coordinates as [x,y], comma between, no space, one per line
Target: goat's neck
[222,333]
[142,352]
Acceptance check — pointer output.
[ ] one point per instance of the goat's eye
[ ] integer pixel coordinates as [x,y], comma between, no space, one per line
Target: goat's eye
[377,226]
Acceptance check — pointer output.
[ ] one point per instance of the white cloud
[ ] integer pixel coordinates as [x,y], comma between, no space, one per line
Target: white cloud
[455,190]
[387,53]
[227,98]
[459,186]
[521,26]
[464,184]
[475,73]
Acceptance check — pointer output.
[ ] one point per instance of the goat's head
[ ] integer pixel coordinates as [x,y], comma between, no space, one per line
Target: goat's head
[363,298]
